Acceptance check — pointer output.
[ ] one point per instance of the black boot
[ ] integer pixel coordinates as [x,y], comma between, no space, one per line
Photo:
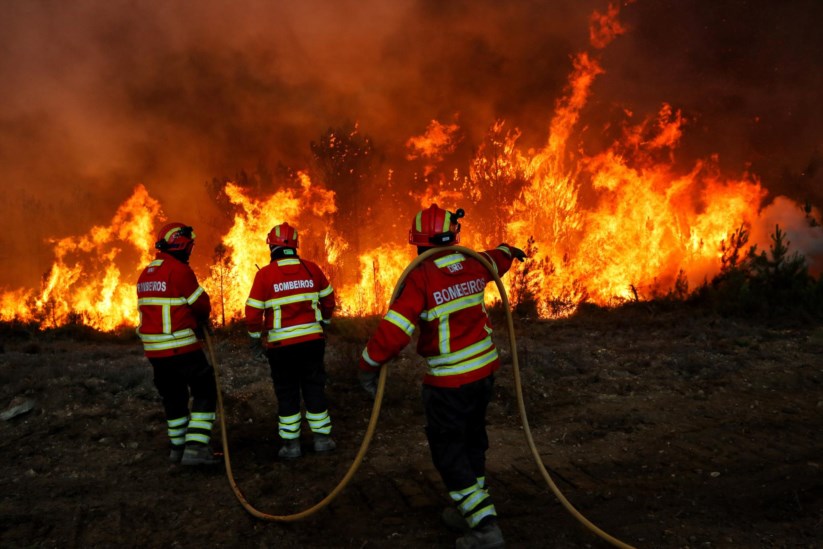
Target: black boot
[199,454]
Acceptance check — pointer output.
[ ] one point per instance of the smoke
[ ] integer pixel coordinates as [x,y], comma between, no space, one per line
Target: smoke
[102,96]
[745,74]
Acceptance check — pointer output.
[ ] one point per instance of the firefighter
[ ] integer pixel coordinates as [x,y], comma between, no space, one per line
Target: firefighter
[292,301]
[174,309]
[444,295]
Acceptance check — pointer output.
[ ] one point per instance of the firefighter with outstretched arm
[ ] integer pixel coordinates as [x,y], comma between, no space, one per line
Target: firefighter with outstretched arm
[174,309]
[291,301]
[444,297]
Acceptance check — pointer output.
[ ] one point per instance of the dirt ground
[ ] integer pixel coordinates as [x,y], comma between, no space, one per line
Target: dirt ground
[664,428]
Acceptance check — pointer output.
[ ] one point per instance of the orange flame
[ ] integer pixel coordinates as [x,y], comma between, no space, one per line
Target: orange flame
[85,283]
[438,141]
[379,271]
[606,227]
[245,247]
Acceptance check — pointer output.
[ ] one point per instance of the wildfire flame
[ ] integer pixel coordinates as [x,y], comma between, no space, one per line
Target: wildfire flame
[642,226]
[86,284]
[244,246]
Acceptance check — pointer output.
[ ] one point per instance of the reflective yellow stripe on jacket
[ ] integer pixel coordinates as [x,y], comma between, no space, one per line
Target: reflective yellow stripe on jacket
[280,333]
[468,359]
[168,339]
[294,331]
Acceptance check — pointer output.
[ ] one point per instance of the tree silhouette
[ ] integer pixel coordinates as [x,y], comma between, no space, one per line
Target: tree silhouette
[346,162]
[496,175]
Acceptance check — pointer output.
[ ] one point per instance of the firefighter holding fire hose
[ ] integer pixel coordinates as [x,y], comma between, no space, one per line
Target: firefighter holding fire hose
[174,309]
[444,295]
[292,301]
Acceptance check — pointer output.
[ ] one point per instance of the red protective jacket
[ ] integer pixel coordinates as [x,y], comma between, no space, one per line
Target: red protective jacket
[444,294]
[289,299]
[172,304]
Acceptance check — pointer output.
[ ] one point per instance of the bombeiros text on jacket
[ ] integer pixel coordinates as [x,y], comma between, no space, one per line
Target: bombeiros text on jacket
[293,285]
[459,290]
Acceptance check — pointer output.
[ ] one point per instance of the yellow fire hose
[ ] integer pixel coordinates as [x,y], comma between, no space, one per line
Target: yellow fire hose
[376,412]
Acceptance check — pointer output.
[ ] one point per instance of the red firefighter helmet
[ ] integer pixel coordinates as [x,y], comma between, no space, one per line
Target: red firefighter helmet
[282,235]
[435,226]
[175,237]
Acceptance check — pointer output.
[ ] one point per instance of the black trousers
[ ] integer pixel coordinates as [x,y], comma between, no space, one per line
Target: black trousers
[456,430]
[185,376]
[298,369]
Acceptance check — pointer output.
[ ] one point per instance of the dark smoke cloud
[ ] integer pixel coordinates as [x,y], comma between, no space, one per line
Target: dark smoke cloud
[747,74]
[102,95]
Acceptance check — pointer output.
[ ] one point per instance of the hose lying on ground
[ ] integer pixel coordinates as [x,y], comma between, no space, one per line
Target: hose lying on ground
[358,459]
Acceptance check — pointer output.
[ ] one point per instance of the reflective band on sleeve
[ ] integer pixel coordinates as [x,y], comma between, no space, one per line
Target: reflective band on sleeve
[400,321]
[257,304]
[197,293]
[369,359]
[255,335]
[326,291]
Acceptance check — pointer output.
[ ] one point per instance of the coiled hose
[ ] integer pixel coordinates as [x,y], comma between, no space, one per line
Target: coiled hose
[381,384]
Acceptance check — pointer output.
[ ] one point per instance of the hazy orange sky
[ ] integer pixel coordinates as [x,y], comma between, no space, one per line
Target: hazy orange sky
[99,96]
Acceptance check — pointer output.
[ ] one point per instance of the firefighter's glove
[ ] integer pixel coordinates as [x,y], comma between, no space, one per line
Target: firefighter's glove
[256,349]
[514,253]
[517,253]
[368,380]
[202,329]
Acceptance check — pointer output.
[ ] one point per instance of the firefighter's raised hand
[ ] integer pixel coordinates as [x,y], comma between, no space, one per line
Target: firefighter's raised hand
[368,380]
[517,253]
[514,253]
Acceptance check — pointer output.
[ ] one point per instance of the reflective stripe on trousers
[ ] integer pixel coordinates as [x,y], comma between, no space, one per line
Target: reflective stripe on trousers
[199,429]
[474,503]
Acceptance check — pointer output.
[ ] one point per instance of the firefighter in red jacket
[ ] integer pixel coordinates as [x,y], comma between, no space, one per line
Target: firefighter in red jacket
[174,308]
[444,296]
[291,301]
